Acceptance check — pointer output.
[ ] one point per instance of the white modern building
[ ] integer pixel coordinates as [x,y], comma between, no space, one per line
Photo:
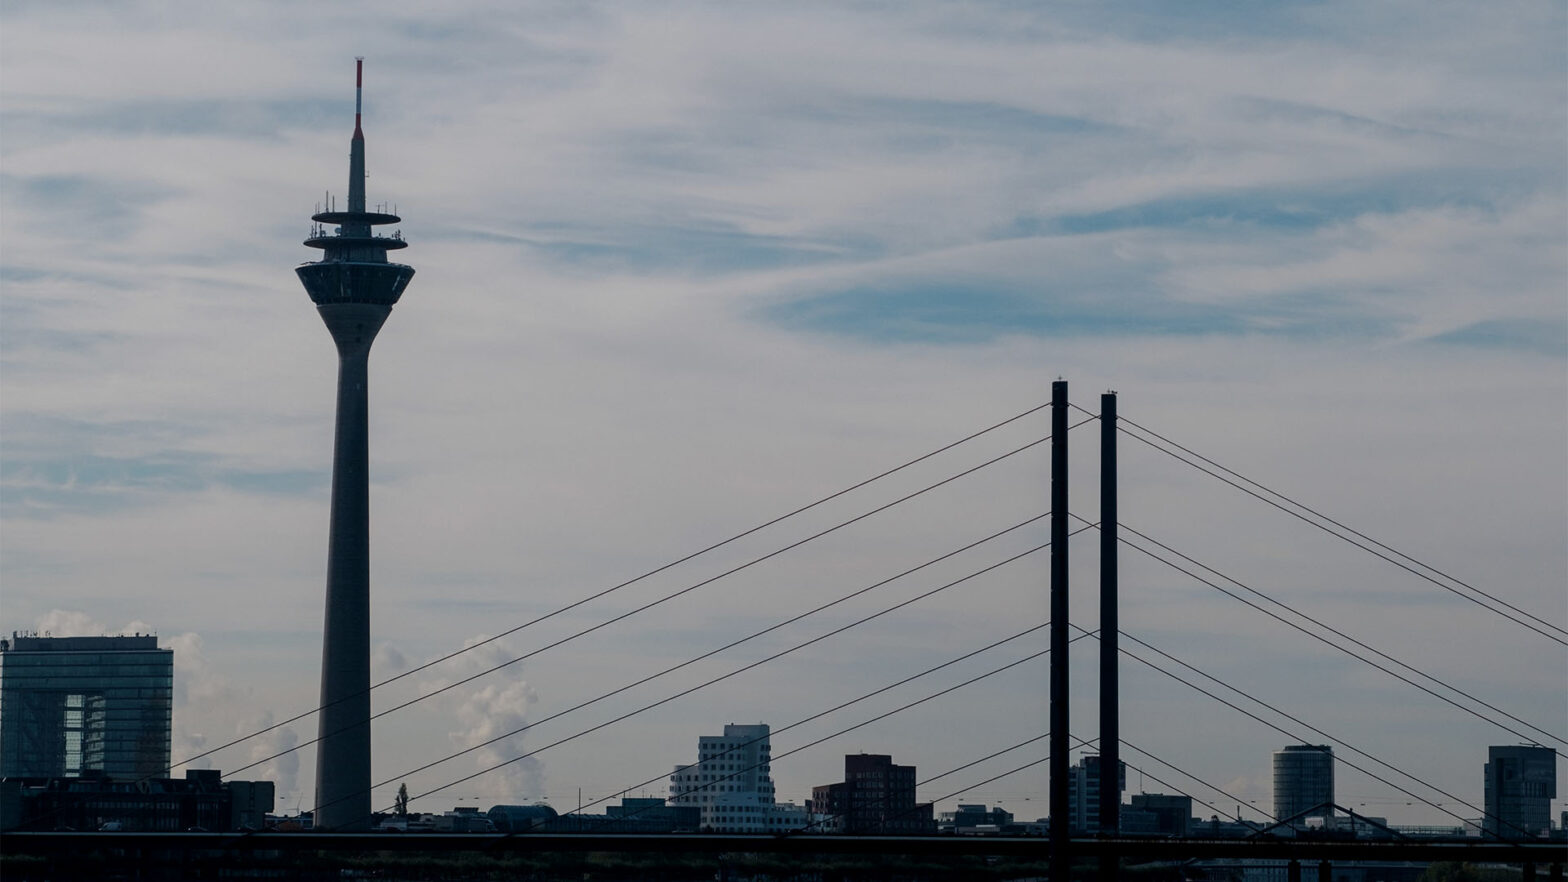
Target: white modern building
[731,786]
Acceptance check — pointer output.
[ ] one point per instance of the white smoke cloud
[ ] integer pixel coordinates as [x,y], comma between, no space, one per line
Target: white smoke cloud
[488,709]
[282,771]
[387,661]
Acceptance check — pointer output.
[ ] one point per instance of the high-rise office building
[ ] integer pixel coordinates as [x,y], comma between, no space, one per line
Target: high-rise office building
[1521,782]
[1083,793]
[74,705]
[1304,782]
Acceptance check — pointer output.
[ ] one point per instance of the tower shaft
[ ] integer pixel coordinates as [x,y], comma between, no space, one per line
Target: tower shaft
[343,752]
[354,287]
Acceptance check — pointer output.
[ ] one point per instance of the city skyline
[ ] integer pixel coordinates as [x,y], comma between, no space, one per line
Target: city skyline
[677,279]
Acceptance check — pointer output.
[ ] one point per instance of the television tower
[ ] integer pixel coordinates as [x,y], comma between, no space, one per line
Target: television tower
[354,287]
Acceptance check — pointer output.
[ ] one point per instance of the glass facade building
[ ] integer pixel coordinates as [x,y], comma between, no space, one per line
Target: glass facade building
[1521,782]
[1303,782]
[74,705]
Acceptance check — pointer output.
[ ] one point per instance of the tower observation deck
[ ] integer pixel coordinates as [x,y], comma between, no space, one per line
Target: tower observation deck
[354,287]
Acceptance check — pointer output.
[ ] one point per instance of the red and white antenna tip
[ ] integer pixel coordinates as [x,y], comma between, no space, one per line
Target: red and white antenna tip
[359,85]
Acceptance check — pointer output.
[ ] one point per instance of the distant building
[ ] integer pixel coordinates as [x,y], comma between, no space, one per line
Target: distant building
[969,818]
[730,785]
[647,814]
[76,705]
[1303,782]
[521,818]
[1083,794]
[201,800]
[1521,782]
[1158,813]
[876,797]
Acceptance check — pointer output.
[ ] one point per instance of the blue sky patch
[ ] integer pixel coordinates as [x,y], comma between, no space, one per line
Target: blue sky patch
[933,312]
[1548,336]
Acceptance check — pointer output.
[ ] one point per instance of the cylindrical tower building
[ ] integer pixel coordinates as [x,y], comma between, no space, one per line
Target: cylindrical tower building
[354,287]
[1304,782]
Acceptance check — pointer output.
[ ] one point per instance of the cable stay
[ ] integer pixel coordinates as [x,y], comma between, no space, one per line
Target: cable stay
[687,663]
[1296,736]
[776,757]
[1331,629]
[1324,640]
[674,563]
[1398,558]
[692,689]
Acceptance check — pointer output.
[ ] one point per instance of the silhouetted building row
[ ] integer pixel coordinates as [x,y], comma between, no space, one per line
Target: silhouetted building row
[633,815]
[200,801]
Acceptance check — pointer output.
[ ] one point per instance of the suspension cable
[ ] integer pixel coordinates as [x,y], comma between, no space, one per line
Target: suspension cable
[1373,551]
[655,571]
[1276,616]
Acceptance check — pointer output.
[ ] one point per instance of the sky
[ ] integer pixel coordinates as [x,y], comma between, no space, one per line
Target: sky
[685,267]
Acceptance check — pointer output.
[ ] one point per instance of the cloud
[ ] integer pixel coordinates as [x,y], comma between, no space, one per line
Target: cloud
[283,771]
[486,712]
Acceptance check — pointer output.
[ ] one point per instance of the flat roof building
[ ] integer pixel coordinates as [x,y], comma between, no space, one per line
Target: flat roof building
[1521,782]
[1083,793]
[75,705]
[876,797]
[1303,782]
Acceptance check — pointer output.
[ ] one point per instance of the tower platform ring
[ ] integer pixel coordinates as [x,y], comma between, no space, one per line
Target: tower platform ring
[335,241]
[355,217]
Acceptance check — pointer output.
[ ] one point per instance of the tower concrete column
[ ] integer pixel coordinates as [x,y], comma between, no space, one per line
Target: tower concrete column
[354,287]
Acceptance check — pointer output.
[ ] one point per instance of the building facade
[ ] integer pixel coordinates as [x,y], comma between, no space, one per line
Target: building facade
[1303,782]
[1083,794]
[1158,813]
[201,801]
[76,705]
[730,785]
[968,818]
[1521,782]
[876,797]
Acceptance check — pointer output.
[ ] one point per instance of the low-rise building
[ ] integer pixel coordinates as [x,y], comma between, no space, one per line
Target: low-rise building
[201,800]
[1158,814]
